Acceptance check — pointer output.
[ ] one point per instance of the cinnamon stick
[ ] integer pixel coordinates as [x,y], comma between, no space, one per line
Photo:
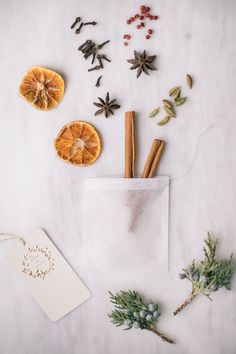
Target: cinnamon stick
[153,158]
[129,145]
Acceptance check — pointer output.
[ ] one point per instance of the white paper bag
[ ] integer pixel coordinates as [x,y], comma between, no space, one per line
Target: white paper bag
[127,224]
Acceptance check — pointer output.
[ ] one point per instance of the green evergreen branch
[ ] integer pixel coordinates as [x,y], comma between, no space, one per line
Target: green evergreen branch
[210,275]
[132,312]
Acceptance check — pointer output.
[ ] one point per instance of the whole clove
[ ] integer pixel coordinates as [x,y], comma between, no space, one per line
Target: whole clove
[88,41]
[93,23]
[97,67]
[90,48]
[103,56]
[98,81]
[89,51]
[94,57]
[102,45]
[99,58]
[77,31]
[77,20]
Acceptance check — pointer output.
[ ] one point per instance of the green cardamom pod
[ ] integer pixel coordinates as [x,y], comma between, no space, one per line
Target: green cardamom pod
[189,81]
[167,103]
[164,121]
[174,92]
[170,111]
[180,100]
[154,112]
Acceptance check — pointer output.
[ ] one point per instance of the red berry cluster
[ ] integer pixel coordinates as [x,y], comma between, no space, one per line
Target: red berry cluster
[144,13]
[127,37]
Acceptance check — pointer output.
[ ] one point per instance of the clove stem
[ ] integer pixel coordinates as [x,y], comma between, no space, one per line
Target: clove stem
[93,23]
[97,67]
[77,19]
[98,81]
[79,29]
[85,44]
[99,58]
[94,56]
[102,44]
[103,56]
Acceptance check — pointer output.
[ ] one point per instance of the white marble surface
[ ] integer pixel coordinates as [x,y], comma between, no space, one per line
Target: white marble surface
[39,190]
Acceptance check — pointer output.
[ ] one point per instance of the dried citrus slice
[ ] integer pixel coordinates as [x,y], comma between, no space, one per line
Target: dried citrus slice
[78,143]
[42,88]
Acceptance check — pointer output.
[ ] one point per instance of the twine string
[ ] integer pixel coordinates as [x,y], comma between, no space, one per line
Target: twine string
[12,237]
[186,170]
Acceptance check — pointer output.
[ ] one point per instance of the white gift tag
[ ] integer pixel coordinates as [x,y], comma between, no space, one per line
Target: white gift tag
[49,278]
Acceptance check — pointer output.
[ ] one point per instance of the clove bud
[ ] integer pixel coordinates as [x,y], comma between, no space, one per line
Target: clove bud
[79,29]
[77,20]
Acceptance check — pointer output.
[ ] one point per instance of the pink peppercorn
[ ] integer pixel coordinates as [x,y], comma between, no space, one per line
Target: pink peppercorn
[141,17]
[147,36]
[155,17]
[150,31]
[125,44]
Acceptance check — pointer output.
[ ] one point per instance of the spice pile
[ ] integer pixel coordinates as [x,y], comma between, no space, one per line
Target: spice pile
[77,20]
[141,17]
[170,107]
[90,48]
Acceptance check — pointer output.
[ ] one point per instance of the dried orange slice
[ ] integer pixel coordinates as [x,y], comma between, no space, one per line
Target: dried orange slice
[78,143]
[42,88]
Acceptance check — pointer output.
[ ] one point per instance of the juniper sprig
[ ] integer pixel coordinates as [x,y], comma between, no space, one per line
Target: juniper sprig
[209,275]
[132,312]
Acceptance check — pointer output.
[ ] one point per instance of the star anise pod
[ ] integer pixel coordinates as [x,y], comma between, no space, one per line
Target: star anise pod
[106,106]
[142,62]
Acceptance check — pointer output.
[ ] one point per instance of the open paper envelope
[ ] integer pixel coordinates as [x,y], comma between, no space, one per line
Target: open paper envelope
[127,223]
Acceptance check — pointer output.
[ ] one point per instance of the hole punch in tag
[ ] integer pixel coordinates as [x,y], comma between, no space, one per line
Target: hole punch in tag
[49,278]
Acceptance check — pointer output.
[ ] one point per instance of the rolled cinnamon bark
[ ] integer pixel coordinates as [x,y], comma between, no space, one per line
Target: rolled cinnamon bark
[153,158]
[129,145]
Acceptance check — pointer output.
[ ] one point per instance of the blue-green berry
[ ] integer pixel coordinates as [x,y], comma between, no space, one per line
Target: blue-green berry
[142,314]
[214,287]
[156,314]
[203,279]
[136,325]
[151,307]
[149,318]
[128,322]
[128,312]
[135,315]
[195,276]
